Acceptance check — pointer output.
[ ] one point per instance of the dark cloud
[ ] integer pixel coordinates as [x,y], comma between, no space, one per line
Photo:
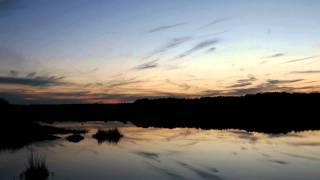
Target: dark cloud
[147,65]
[165,27]
[301,59]
[305,72]
[199,46]
[38,81]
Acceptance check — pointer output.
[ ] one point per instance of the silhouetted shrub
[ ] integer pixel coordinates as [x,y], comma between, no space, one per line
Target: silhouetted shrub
[75,138]
[112,136]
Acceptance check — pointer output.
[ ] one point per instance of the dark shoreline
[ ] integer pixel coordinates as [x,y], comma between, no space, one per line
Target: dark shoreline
[267,112]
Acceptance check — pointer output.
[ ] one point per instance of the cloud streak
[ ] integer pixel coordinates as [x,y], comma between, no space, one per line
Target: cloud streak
[305,72]
[148,65]
[118,83]
[199,46]
[165,27]
[39,81]
[173,43]
[301,59]
[214,22]
[275,82]
[180,85]
[243,82]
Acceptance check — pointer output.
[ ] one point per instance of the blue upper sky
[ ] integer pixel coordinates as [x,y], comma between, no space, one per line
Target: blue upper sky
[121,50]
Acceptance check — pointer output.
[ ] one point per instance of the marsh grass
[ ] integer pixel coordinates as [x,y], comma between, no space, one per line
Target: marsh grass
[36,168]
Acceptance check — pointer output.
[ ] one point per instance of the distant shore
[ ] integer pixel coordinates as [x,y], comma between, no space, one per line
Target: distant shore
[267,112]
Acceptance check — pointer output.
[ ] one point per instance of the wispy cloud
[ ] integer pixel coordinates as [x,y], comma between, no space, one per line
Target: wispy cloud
[305,72]
[29,98]
[277,55]
[211,50]
[214,22]
[250,79]
[118,83]
[268,86]
[184,86]
[147,65]
[199,46]
[38,81]
[243,82]
[13,73]
[301,59]
[173,43]
[165,27]
[31,75]
[274,82]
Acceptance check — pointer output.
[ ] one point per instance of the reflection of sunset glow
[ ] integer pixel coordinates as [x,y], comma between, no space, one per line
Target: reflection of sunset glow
[187,152]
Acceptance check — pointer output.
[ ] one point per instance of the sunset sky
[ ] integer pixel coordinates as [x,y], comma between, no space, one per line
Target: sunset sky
[110,51]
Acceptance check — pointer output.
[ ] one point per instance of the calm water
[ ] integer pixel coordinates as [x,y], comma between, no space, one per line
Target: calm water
[154,153]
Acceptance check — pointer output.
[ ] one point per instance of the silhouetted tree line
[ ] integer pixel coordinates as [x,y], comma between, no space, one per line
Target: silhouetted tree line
[3,102]
[268,112]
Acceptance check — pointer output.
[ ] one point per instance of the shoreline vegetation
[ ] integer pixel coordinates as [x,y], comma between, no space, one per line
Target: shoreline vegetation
[36,168]
[16,135]
[267,113]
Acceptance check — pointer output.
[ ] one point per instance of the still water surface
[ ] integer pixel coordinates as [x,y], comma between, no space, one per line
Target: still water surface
[182,153]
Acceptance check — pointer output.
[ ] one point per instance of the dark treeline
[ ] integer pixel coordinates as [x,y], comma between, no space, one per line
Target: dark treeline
[267,112]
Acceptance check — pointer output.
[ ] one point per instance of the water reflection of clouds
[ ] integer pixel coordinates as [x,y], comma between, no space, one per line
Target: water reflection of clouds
[149,155]
[279,162]
[305,157]
[166,172]
[201,173]
[182,153]
[303,143]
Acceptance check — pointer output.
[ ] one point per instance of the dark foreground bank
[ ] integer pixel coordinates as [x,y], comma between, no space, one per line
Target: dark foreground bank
[268,112]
